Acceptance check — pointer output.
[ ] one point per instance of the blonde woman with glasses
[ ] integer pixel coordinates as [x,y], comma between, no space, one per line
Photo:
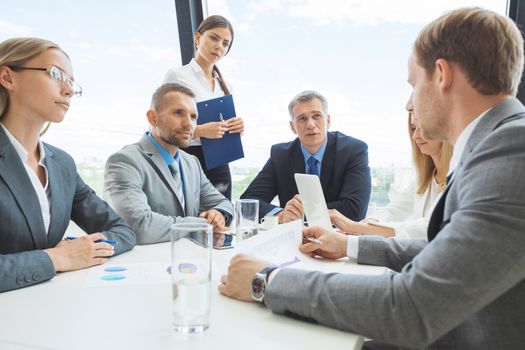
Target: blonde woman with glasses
[40,189]
[408,213]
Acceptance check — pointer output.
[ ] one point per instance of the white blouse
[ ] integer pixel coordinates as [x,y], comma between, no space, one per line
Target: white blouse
[192,76]
[408,213]
[42,192]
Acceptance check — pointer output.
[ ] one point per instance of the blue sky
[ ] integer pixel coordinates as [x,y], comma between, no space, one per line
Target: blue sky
[354,52]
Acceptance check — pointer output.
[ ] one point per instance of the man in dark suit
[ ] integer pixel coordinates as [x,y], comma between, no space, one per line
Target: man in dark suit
[341,162]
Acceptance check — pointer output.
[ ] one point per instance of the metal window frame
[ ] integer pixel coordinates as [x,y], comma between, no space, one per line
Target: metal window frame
[190,14]
[516,12]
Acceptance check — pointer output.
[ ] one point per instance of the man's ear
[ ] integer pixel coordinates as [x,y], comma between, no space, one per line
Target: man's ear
[328,121]
[152,117]
[6,78]
[445,73]
[292,126]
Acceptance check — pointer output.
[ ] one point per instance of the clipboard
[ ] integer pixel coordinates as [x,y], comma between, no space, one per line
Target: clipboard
[221,151]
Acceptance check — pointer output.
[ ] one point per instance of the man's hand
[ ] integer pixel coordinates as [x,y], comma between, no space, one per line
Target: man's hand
[80,253]
[293,210]
[214,218]
[332,244]
[235,125]
[237,283]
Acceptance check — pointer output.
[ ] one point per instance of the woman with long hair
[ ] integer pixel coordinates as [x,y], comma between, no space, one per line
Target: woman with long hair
[40,189]
[408,213]
[213,40]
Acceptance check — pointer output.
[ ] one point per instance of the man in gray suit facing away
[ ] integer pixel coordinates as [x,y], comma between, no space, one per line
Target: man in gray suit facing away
[465,288]
[153,184]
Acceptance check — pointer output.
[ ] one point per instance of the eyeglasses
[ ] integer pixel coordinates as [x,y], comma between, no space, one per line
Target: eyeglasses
[56,74]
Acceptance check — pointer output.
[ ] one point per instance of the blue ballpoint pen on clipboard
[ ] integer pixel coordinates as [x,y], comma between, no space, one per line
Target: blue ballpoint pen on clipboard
[109,241]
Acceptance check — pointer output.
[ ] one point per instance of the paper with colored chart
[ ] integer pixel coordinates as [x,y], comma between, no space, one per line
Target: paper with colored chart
[280,245]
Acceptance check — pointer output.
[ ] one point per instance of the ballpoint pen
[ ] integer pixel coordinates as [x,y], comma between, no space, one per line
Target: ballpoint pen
[314,240]
[110,241]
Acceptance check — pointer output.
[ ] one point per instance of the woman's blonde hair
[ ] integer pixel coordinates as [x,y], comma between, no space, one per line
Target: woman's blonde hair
[424,164]
[16,52]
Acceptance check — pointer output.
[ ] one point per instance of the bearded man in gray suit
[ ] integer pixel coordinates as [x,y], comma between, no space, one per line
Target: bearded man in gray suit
[153,184]
[465,288]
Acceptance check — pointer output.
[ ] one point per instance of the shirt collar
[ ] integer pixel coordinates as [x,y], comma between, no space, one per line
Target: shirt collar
[22,153]
[317,155]
[165,154]
[461,142]
[198,69]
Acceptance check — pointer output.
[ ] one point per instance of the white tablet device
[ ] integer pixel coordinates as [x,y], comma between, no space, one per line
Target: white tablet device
[313,200]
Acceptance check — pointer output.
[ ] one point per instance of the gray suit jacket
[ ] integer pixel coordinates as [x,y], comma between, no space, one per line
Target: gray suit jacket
[139,186]
[22,234]
[463,290]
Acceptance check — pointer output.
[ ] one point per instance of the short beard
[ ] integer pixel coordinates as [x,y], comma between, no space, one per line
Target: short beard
[439,130]
[172,140]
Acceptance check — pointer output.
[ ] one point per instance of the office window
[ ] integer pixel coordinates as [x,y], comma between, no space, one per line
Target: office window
[120,52]
[352,51]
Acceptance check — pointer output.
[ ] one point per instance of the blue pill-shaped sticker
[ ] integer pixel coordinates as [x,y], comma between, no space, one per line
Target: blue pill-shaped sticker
[115,269]
[113,277]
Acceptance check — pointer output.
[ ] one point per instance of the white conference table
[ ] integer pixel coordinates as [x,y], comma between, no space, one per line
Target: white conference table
[64,313]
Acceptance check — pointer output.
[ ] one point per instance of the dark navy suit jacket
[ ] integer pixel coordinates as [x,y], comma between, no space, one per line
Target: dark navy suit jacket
[345,176]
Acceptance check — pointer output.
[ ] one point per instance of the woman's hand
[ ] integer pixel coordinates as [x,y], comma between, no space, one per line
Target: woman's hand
[342,222]
[212,130]
[80,253]
[235,125]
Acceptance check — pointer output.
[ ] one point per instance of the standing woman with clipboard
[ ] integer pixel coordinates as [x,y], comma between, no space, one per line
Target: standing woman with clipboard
[213,40]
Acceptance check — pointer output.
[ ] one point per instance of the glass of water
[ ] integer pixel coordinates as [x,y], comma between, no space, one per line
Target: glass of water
[246,218]
[191,245]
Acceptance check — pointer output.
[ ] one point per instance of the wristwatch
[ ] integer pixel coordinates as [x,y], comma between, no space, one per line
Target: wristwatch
[260,281]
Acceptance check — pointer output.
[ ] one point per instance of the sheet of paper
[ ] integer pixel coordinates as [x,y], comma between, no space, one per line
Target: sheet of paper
[109,275]
[280,245]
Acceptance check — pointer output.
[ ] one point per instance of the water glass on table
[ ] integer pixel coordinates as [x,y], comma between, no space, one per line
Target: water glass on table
[191,245]
[246,218]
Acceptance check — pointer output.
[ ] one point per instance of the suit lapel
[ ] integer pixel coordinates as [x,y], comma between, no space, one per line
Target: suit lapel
[190,184]
[157,161]
[57,203]
[15,177]
[436,222]
[327,166]
[297,164]
[505,111]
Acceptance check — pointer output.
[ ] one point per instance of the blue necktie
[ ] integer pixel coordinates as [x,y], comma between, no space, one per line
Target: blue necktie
[312,166]
[175,172]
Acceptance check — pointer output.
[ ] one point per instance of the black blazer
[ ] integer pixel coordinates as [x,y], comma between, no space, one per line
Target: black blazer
[22,234]
[345,176]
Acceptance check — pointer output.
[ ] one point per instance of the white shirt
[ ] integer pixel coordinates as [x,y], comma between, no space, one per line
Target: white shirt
[42,192]
[352,244]
[408,212]
[192,76]
[461,142]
